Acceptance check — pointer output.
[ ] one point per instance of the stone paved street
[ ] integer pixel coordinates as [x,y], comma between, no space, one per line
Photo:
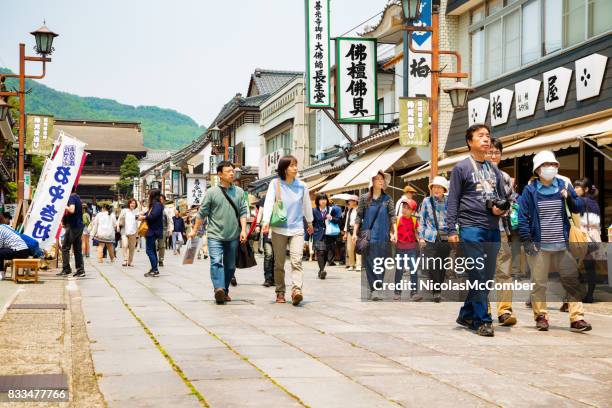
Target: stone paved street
[163,342]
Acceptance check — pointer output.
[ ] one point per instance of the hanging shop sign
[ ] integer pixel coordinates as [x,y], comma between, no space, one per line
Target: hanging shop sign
[419,65]
[526,97]
[500,106]
[477,110]
[556,85]
[414,122]
[196,187]
[589,75]
[318,84]
[39,135]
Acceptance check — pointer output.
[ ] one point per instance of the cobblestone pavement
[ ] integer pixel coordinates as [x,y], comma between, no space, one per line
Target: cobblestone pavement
[163,342]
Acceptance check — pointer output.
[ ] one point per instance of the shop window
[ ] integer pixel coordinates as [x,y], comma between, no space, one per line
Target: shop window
[531,41]
[512,40]
[553,27]
[600,16]
[493,35]
[573,21]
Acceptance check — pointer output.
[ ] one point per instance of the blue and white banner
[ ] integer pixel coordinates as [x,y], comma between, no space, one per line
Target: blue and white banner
[419,65]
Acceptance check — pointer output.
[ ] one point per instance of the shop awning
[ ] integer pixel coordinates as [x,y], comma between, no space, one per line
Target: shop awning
[554,140]
[316,181]
[359,176]
[86,180]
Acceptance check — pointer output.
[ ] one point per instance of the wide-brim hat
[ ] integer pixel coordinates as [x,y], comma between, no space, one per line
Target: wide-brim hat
[409,189]
[387,177]
[545,156]
[439,181]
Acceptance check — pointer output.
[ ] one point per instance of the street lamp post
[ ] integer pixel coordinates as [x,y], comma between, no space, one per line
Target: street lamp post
[458,92]
[44,46]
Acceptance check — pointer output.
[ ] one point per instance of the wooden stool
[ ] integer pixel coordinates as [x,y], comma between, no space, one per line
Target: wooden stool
[31,263]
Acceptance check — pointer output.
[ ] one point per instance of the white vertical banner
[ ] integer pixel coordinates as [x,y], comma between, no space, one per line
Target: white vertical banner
[56,184]
[318,84]
[419,65]
[196,187]
[356,94]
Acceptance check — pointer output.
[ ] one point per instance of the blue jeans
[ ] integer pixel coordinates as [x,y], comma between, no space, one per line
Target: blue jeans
[483,243]
[414,277]
[152,251]
[222,262]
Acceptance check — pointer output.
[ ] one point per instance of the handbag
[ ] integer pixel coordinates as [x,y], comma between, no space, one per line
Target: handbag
[363,240]
[578,239]
[440,235]
[143,228]
[279,212]
[331,228]
[245,257]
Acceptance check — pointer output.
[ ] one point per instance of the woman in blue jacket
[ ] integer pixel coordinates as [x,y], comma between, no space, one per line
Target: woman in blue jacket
[154,219]
[324,244]
[544,228]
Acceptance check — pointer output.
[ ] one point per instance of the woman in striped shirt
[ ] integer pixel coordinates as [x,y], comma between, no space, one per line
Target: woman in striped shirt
[544,229]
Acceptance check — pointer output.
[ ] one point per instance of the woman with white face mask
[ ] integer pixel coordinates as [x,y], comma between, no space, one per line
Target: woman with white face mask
[544,228]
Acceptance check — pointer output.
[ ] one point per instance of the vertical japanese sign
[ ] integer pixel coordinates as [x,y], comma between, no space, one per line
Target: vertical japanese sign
[356,80]
[136,189]
[419,65]
[39,135]
[27,184]
[318,87]
[414,122]
[176,182]
[54,188]
[196,186]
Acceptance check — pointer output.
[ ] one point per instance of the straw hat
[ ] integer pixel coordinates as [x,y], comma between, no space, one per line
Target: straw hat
[409,189]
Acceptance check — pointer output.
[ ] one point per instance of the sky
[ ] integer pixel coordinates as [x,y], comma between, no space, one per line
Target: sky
[187,55]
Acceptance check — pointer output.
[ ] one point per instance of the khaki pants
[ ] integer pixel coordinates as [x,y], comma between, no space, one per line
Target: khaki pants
[296,248]
[565,264]
[503,275]
[109,247]
[352,259]
[128,245]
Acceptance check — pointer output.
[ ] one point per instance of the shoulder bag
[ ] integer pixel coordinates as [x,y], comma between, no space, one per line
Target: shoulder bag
[578,239]
[363,240]
[279,212]
[245,257]
[440,236]
[143,228]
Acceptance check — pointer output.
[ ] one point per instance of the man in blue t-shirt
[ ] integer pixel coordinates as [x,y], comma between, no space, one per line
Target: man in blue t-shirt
[475,186]
[73,232]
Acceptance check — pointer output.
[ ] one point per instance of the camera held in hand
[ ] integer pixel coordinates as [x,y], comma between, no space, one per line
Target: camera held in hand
[502,204]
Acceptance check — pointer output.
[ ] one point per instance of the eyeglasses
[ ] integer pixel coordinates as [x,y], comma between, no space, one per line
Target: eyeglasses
[496,153]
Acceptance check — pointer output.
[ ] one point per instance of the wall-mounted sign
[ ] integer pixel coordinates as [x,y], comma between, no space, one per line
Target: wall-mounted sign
[27,184]
[318,84]
[268,163]
[526,97]
[500,106]
[556,84]
[356,80]
[589,75]
[39,135]
[477,110]
[176,182]
[414,122]
[419,65]
[196,187]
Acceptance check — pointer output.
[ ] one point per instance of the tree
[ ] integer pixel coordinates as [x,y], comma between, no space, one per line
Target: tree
[128,170]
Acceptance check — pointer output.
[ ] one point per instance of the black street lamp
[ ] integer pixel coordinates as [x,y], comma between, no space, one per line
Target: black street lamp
[411,9]
[215,135]
[44,40]
[458,93]
[4,109]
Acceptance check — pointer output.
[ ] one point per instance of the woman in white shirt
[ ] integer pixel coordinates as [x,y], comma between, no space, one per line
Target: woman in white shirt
[103,231]
[128,226]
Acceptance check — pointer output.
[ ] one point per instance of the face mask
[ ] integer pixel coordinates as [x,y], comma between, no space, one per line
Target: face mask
[548,173]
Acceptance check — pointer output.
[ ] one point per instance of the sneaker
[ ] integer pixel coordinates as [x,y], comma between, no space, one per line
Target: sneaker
[542,323]
[149,274]
[220,296]
[464,322]
[234,282]
[79,274]
[351,269]
[267,283]
[415,297]
[375,297]
[161,263]
[227,298]
[280,298]
[397,297]
[564,307]
[296,297]
[580,326]
[437,298]
[485,330]
[322,275]
[588,299]
[63,273]
[507,319]
[528,304]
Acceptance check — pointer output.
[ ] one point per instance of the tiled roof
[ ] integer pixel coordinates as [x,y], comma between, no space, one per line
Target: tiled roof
[236,102]
[268,81]
[103,135]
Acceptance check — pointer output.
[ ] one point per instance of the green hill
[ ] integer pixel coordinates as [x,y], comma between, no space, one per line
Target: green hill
[162,128]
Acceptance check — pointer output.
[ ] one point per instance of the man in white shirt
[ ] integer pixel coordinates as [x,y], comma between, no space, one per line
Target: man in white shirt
[347,234]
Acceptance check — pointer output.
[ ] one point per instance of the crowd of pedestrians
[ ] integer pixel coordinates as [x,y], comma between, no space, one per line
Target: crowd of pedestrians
[477,212]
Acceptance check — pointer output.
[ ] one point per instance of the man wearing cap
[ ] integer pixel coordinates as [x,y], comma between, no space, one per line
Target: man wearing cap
[433,232]
[475,195]
[348,233]
[409,192]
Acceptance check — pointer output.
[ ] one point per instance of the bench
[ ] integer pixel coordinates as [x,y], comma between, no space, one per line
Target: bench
[17,264]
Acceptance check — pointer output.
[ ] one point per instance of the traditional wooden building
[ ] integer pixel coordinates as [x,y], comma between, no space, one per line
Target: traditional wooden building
[108,143]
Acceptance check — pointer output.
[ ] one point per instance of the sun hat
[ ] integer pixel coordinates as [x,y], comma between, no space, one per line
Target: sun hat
[411,203]
[386,176]
[353,197]
[545,156]
[439,181]
[409,189]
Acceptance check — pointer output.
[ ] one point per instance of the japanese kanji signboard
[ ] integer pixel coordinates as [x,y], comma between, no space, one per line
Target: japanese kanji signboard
[54,187]
[356,80]
[419,65]
[196,186]
[414,122]
[500,106]
[318,87]
[39,135]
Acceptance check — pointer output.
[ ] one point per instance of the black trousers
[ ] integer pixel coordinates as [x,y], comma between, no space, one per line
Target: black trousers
[8,253]
[440,249]
[72,238]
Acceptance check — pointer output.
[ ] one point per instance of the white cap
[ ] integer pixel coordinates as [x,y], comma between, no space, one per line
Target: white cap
[545,156]
[439,181]
[386,176]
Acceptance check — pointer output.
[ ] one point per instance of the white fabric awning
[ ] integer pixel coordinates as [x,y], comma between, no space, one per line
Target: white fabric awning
[359,176]
[87,180]
[553,140]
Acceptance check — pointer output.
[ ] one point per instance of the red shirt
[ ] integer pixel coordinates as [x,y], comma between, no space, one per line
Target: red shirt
[407,232]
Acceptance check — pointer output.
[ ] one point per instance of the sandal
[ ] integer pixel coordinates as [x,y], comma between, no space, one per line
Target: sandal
[124,264]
